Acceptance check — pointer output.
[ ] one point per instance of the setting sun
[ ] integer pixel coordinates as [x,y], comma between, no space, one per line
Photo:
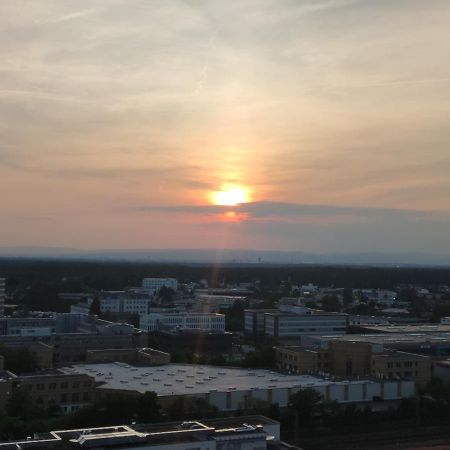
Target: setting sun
[230,196]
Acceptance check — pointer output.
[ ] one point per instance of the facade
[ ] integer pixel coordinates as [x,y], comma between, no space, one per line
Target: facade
[74,334]
[146,356]
[182,321]
[2,297]
[207,303]
[53,388]
[124,302]
[153,285]
[244,433]
[188,341]
[350,359]
[357,320]
[292,321]
[231,389]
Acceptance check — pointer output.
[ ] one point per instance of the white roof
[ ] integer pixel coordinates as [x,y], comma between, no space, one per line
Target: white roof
[179,379]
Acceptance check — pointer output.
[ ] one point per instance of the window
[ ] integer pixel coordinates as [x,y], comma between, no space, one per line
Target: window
[64,385]
[40,387]
[52,386]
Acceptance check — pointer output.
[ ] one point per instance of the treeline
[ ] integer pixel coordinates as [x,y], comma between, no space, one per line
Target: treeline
[78,275]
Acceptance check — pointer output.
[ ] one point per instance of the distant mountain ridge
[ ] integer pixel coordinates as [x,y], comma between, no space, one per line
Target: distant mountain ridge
[230,256]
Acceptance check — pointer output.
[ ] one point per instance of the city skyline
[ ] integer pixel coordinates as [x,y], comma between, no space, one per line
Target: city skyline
[316,126]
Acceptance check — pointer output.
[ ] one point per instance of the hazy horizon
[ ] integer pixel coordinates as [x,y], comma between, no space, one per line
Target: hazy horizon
[292,125]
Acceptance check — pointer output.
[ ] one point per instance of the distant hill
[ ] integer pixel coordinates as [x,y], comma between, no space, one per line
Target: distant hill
[231,256]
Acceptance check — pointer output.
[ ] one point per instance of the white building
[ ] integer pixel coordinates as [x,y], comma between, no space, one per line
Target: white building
[231,389]
[382,297]
[124,302]
[182,321]
[243,433]
[153,285]
[445,320]
[2,297]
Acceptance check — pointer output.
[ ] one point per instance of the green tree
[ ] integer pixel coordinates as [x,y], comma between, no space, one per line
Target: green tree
[95,307]
[306,406]
[331,303]
[19,360]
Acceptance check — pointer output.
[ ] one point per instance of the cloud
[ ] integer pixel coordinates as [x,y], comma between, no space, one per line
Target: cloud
[281,210]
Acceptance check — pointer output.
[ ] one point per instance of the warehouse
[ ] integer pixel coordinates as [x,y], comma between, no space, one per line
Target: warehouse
[230,389]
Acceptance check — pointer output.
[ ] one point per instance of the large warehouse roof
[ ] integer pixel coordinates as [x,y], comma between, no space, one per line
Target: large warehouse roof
[179,379]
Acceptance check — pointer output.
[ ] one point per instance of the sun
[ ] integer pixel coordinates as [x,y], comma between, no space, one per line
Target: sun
[230,195]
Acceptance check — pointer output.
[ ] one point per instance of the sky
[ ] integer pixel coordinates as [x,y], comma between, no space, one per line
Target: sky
[124,122]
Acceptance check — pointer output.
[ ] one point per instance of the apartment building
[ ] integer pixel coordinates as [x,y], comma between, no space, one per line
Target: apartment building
[182,321]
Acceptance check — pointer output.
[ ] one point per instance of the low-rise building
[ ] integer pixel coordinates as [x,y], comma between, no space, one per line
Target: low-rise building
[73,334]
[230,389]
[143,356]
[153,285]
[292,322]
[182,321]
[124,302]
[349,359]
[243,433]
[51,388]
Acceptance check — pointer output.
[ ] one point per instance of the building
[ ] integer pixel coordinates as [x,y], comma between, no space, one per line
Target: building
[198,342]
[208,303]
[153,285]
[143,356]
[182,321]
[2,297]
[231,389]
[69,336]
[292,322]
[349,359]
[436,345]
[243,433]
[445,320]
[358,320]
[124,302]
[51,388]
[381,297]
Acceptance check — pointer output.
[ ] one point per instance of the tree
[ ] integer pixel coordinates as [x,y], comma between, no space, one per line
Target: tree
[347,297]
[331,303]
[305,404]
[95,307]
[19,360]
[191,408]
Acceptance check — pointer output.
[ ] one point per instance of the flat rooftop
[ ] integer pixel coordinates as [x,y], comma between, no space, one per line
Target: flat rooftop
[413,328]
[386,338]
[180,379]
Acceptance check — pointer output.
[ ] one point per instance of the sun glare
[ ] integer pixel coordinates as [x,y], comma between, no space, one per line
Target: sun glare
[230,196]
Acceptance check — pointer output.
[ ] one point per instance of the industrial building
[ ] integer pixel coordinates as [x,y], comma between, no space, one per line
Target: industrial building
[230,389]
[243,433]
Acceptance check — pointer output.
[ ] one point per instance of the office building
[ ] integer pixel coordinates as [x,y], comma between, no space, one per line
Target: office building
[182,321]
[124,302]
[292,322]
[153,285]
